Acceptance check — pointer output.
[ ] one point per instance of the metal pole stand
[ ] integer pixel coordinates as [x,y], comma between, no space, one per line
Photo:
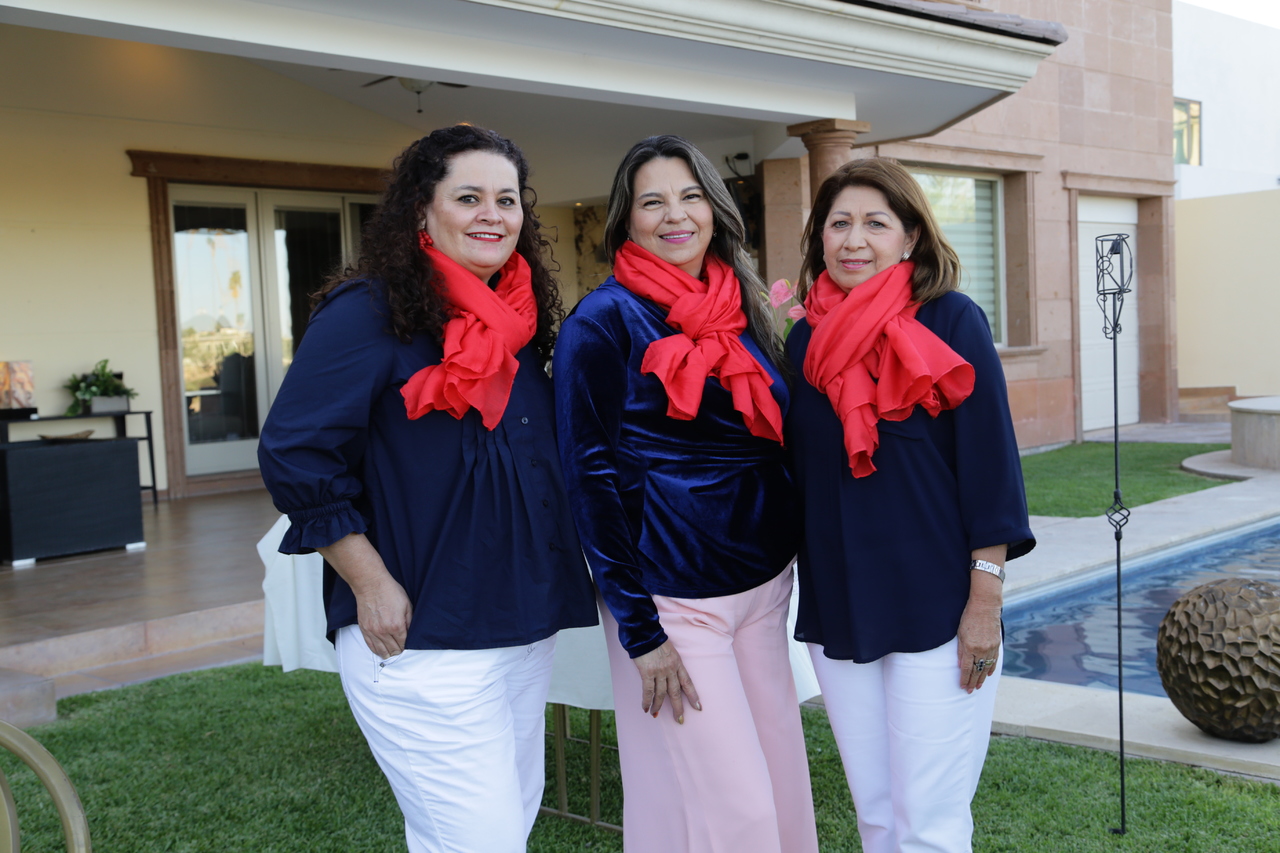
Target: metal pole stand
[1114,259]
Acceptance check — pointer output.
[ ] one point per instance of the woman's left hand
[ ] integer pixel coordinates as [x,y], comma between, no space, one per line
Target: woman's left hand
[979,634]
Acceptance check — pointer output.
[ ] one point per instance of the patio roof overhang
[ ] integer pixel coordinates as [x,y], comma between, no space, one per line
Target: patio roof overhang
[909,67]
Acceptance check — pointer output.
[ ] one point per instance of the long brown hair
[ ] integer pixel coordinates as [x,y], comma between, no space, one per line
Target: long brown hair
[937,269]
[728,238]
[389,251]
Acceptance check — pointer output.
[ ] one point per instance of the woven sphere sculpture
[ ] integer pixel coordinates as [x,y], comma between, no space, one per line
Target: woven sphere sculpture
[1218,653]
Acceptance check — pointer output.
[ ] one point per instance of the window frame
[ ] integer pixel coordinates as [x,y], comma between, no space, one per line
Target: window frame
[1194,131]
[998,233]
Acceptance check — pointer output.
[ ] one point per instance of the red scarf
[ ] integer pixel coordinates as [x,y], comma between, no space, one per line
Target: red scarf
[708,315]
[872,334]
[480,343]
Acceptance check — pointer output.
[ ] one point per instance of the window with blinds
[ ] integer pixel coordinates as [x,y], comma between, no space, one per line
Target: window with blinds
[968,210]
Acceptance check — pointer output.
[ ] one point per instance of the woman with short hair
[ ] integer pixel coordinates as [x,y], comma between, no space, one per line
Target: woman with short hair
[671,401]
[413,445]
[906,458]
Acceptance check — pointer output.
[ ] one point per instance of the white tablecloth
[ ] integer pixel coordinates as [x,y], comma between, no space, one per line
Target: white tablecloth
[293,630]
[293,633]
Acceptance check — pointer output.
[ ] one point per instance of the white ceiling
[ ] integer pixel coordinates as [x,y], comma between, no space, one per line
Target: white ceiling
[576,82]
[573,145]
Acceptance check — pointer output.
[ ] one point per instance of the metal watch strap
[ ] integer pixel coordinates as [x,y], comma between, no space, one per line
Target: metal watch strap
[990,568]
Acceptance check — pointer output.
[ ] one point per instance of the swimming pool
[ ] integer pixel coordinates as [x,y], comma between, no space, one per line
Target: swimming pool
[1069,636]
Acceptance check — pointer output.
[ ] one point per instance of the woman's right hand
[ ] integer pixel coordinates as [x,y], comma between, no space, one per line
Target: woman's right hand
[662,675]
[383,609]
[383,612]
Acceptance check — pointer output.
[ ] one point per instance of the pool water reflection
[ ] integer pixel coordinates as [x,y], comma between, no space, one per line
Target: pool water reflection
[1070,637]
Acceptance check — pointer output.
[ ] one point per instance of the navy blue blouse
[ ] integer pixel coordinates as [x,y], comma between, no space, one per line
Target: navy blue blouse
[884,566]
[474,524]
[689,509]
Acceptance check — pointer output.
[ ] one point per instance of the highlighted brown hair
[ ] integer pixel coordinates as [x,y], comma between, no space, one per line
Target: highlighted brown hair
[937,268]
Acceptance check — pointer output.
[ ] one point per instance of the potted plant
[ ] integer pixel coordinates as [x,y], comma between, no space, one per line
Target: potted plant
[100,392]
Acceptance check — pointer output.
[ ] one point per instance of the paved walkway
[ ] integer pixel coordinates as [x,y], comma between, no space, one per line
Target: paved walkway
[1179,433]
[1070,550]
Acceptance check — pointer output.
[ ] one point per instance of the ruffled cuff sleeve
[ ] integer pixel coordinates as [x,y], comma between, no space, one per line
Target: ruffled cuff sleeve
[313,441]
[317,527]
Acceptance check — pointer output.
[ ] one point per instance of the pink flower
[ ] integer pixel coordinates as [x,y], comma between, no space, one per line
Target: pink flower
[797,312]
[779,292]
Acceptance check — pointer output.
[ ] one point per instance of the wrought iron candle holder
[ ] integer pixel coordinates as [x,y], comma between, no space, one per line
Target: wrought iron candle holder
[1114,268]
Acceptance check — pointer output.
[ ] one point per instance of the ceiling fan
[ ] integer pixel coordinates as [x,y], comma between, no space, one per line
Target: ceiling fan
[414,85]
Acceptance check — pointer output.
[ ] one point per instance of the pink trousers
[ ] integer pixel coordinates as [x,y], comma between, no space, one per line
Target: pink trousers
[735,776]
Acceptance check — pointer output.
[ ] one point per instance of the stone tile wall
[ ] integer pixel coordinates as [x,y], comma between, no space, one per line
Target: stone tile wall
[1100,107]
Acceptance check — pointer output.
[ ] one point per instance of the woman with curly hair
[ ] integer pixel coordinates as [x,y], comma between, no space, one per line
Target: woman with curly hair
[413,445]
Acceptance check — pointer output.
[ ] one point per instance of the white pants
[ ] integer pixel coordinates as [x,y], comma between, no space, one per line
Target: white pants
[913,744]
[459,735]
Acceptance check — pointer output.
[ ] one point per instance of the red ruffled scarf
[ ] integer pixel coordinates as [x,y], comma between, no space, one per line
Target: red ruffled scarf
[708,316]
[871,334]
[480,342]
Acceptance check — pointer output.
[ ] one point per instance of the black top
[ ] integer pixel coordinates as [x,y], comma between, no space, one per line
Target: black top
[884,566]
[473,523]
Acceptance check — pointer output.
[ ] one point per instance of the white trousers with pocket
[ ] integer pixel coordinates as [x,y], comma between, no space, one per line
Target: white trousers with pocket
[459,735]
[913,743]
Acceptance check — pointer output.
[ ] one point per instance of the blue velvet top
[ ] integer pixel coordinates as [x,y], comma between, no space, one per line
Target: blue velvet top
[884,566]
[689,509]
[474,524]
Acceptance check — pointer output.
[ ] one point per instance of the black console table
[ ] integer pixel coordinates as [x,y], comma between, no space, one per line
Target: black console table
[60,498]
[118,418]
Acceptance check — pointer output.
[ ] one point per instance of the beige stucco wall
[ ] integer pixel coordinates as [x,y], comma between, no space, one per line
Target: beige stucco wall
[76,284]
[1229,292]
[557,225]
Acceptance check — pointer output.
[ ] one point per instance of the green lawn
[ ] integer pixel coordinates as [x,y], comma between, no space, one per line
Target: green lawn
[1078,480]
[250,759]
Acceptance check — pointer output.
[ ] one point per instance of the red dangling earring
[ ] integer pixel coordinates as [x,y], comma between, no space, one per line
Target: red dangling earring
[424,239]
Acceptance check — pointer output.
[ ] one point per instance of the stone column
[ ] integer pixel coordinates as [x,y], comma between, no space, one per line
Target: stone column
[829,142]
[785,186]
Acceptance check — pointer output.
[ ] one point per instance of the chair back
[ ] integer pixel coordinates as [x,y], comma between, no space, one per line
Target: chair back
[47,769]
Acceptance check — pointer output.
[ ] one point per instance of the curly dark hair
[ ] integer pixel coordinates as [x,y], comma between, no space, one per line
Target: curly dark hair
[389,251]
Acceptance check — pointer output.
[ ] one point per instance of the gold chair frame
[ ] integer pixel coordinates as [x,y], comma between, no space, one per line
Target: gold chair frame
[74,826]
[560,733]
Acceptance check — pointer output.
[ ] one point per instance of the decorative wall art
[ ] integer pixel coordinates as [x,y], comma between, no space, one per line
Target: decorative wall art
[17,385]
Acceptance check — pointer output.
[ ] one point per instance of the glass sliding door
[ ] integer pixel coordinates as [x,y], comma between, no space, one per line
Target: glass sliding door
[216,279]
[245,265]
[305,246]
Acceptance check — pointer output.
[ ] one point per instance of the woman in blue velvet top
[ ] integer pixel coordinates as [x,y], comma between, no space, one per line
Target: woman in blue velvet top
[413,445]
[670,403]
[905,454]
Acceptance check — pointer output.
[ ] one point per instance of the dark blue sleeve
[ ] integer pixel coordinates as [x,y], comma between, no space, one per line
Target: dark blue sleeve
[993,501]
[315,434]
[590,371]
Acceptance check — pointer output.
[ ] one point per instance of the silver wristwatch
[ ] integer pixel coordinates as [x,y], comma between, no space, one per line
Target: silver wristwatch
[990,568]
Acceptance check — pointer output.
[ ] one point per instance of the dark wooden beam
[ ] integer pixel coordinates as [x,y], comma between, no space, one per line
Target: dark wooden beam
[271,174]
